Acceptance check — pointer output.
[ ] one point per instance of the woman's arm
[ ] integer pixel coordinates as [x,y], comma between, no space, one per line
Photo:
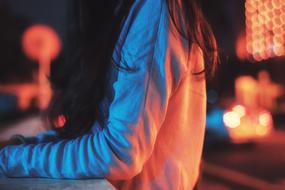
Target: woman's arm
[136,113]
[118,151]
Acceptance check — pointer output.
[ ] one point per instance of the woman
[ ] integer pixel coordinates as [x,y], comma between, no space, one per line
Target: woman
[130,103]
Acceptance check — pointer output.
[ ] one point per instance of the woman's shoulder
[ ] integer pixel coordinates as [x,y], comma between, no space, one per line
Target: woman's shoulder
[139,31]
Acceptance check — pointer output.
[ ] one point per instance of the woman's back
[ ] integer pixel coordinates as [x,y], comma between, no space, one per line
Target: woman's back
[151,130]
[175,99]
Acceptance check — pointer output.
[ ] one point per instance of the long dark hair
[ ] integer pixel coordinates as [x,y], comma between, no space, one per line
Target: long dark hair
[79,83]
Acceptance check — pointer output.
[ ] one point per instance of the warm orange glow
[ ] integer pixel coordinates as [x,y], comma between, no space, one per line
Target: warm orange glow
[265,119]
[60,122]
[257,93]
[246,91]
[240,110]
[231,119]
[241,47]
[268,91]
[41,43]
[245,124]
[262,130]
[265,23]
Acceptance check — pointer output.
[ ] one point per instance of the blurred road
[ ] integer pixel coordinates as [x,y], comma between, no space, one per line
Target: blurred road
[260,165]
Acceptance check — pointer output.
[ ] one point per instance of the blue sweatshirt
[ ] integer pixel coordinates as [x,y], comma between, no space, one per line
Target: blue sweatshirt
[154,115]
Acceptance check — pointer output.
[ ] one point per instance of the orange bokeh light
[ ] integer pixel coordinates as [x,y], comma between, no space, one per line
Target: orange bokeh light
[231,119]
[60,121]
[265,28]
[240,110]
[265,119]
[41,40]
[244,124]
[241,47]
[42,44]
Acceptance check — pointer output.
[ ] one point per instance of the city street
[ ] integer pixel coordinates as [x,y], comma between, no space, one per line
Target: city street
[260,165]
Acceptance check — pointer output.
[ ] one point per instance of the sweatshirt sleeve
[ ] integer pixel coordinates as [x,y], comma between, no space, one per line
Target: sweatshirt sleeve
[136,113]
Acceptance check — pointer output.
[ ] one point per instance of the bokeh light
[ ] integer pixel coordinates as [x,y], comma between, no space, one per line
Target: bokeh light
[41,43]
[41,40]
[265,119]
[245,124]
[240,110]
[231,119]
[60,121]
[265,28]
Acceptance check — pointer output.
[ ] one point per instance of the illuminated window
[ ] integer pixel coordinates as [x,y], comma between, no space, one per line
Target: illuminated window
[265,28]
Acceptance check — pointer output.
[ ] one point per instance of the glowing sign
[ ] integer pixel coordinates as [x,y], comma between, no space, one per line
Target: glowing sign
[41,43]
[265,28]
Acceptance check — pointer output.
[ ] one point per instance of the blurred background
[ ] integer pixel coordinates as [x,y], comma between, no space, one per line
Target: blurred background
[245,137]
